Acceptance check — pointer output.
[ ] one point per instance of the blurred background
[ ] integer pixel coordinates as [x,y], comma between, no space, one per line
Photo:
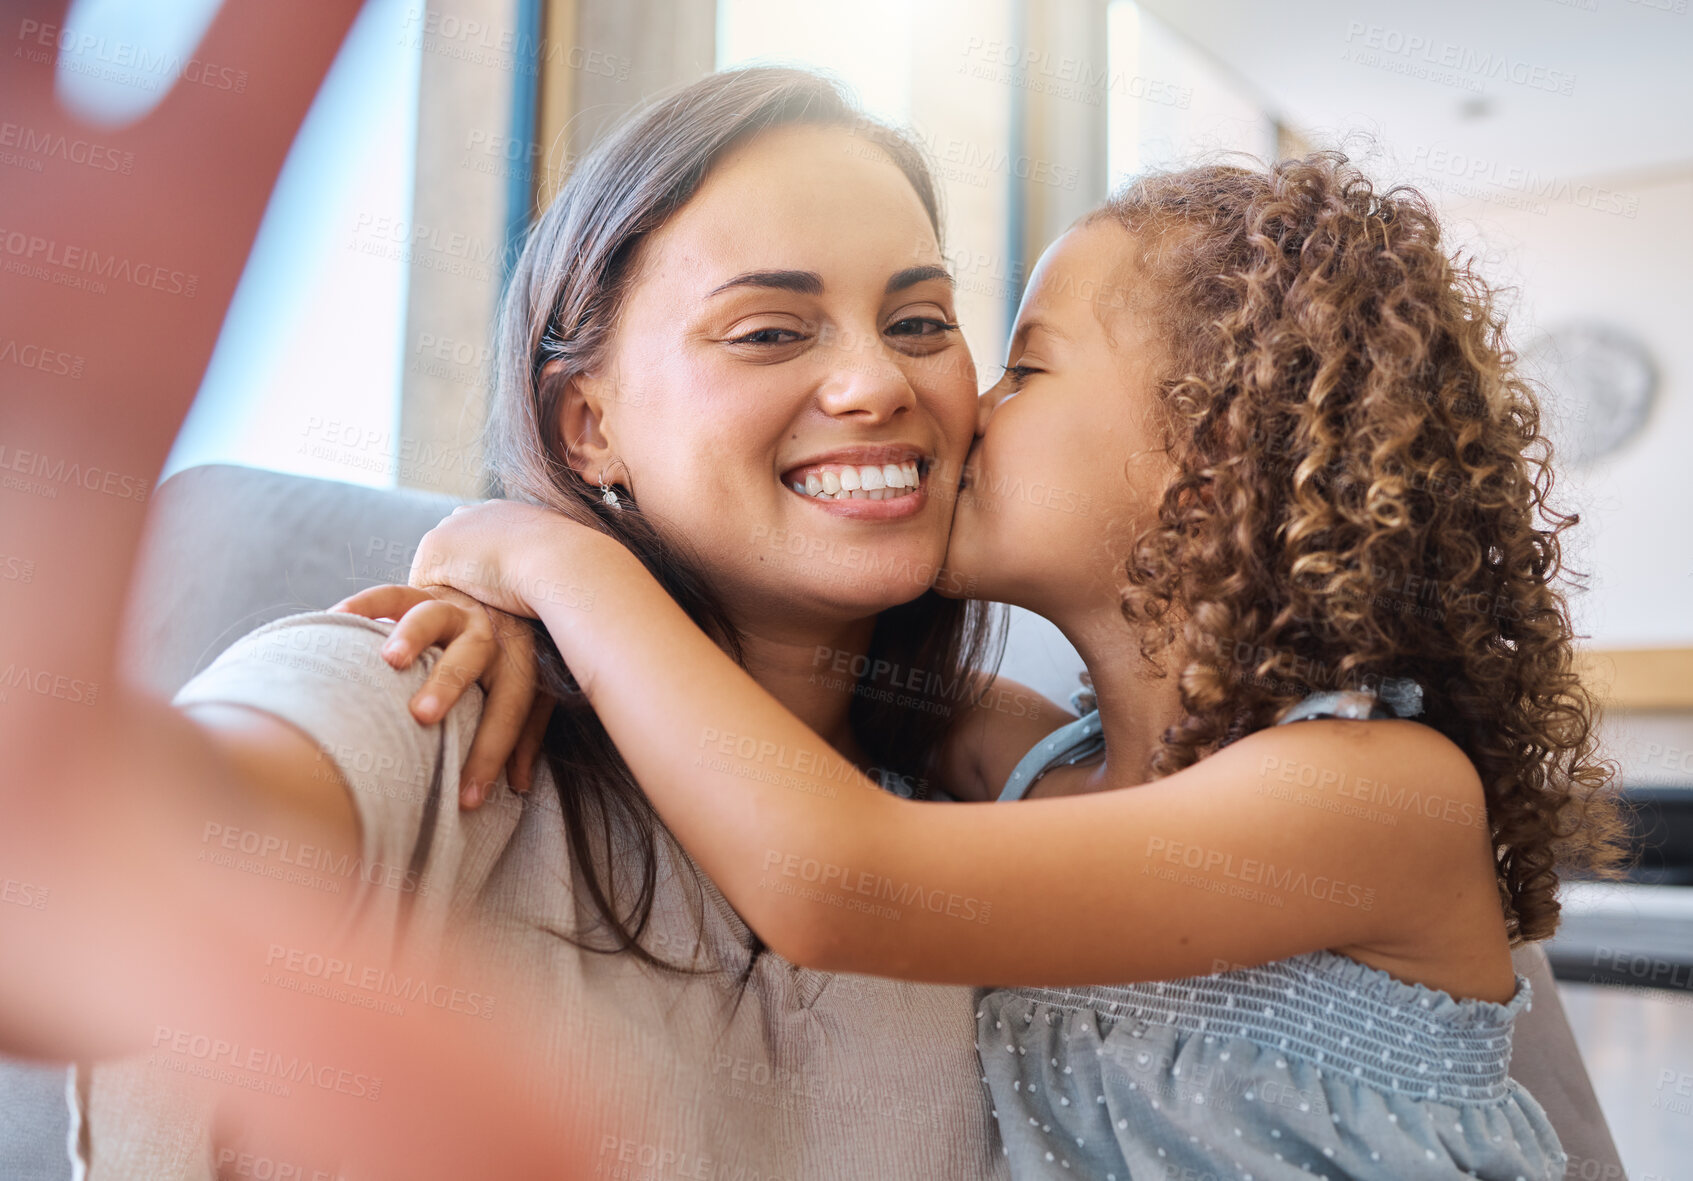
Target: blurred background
[1555,135]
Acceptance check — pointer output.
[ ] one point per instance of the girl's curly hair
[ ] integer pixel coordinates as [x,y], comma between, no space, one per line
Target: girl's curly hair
[1359,493]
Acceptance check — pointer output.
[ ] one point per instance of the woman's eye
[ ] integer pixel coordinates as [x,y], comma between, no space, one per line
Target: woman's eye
[768,336]
[921,326]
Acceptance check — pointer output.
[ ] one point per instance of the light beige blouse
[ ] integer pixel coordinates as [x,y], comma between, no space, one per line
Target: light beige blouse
[814,1076]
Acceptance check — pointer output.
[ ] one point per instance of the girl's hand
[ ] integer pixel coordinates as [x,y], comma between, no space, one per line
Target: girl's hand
[482,644]
[507,554]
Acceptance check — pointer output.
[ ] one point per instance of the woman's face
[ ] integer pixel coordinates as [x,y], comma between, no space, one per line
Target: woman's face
[785,374]
[1069,459]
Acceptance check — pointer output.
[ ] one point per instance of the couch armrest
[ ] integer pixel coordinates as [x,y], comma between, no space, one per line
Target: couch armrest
[1546,1060]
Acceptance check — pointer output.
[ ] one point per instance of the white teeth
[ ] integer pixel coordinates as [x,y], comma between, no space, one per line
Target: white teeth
[861,482]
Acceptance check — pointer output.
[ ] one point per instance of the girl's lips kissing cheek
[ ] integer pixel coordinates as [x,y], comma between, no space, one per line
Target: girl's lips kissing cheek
[966,474]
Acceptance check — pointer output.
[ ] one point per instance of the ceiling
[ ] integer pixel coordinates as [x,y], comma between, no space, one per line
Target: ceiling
[1330,67]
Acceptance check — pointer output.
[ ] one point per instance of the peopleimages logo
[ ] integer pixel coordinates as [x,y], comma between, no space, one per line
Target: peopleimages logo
[1462,61]
[870,884]
[1477,173]
[53,362]
[261,1070]
[448,35]
[125,62]
[315,858]
[31,254]
[1249,872]
[1064,76]
[379,983]
[55,145]
[62,472]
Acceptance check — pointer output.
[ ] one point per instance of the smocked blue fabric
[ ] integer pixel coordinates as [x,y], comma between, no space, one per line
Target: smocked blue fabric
[1079,740]
[1312,1066]
[1395,697]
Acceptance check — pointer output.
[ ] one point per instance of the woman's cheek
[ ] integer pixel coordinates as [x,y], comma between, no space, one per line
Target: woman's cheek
[946,383]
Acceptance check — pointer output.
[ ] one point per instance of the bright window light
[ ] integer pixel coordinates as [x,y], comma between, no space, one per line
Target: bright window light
[1172,106]
[867,43]
[314,333]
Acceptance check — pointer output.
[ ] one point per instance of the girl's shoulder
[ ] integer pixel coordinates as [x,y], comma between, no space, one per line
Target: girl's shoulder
[1317,743]
[1402,774]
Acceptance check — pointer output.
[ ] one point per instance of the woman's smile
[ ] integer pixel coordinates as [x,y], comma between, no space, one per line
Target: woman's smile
[864,483]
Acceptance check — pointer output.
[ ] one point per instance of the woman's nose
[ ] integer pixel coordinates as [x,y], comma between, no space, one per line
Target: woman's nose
[867,385]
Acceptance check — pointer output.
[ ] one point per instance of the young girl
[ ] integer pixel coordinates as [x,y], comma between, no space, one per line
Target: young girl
[1235,947]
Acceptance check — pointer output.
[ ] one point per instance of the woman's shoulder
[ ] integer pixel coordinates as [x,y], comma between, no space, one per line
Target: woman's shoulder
[323,673]
[991,735]
[336,656]
[329,633]
[322,641]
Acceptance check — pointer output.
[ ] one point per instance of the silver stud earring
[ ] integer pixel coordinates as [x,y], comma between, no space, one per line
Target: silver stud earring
[608,494]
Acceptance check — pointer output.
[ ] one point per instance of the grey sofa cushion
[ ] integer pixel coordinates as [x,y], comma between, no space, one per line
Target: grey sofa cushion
[35,1118]
[230,548]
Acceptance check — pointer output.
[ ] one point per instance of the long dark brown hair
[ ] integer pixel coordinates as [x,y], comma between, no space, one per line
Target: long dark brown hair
[562,306]
[1360,492]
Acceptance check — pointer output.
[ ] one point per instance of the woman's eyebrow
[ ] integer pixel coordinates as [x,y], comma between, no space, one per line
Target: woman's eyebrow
[911,276]
[802,282]
[811,283]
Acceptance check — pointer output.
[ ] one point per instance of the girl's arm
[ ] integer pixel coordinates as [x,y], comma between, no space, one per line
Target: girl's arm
[1286,841]
[489,647]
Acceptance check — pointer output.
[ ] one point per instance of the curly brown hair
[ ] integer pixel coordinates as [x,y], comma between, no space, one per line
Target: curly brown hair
[1360,492]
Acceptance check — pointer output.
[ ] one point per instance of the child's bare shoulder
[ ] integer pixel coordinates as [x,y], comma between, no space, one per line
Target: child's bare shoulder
[1408,775]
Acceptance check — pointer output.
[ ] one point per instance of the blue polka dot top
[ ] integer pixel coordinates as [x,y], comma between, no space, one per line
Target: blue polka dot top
[1312,1066]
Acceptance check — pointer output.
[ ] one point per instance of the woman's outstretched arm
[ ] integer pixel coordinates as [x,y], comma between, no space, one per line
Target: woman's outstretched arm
[836,874]
[84,751]
[125,941]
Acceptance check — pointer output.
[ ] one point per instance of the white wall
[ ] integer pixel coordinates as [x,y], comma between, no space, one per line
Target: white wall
[1574,262]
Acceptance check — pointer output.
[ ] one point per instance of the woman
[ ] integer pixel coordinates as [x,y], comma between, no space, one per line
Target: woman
[1303,414]
[743,280]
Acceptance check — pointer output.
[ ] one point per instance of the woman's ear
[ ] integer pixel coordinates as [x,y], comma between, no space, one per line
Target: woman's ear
[580,422]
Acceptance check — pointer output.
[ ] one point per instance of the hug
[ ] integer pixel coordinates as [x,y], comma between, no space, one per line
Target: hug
[1244,908]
